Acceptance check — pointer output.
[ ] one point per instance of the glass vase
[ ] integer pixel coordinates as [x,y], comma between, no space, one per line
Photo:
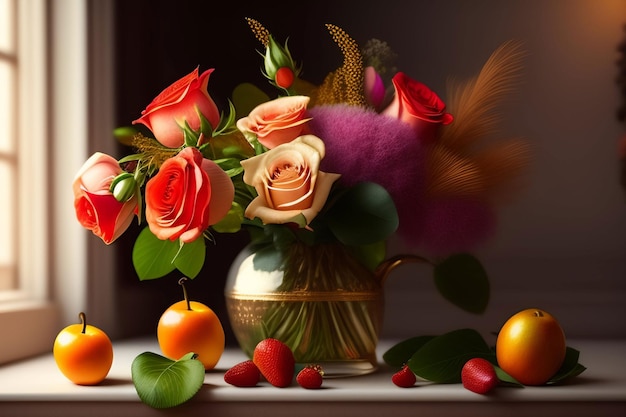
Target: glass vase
[324,304]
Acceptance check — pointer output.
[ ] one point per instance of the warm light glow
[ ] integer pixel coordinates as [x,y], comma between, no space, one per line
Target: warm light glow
[516,329]
[7,41]
[8,159]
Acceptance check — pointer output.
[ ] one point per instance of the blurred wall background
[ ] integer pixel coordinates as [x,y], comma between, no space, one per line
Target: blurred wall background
[560,245]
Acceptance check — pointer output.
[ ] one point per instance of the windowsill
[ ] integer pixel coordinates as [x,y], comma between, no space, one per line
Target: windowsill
[41,320]
[35,387]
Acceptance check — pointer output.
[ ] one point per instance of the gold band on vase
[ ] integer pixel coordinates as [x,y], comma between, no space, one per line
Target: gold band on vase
[336,295]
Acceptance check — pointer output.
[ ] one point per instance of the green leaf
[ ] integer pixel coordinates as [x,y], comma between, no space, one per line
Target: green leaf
[400,353]
[163,383]
[125,134]
[205,126]
[230,164]
[190,135]
[226,123]
[363,214]
[190,258]
[370,255]
[462,280]
[505,378]
[442,358]
[570,367]
[267,259]
[153,257]
[247,96]
[231,223]
[132,157]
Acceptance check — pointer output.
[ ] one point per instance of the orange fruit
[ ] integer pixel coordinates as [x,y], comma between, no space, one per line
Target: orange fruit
[190,326]
[531,346]
[83,353]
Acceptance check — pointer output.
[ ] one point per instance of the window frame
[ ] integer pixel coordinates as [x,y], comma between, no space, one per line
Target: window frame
[29,304]
[9,57]
[63,45]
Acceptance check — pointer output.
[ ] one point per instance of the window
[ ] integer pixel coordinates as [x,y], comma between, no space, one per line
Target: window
[24,256]
[45,136]
[8,157]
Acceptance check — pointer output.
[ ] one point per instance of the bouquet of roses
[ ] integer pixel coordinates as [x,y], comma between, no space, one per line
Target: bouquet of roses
[368,153]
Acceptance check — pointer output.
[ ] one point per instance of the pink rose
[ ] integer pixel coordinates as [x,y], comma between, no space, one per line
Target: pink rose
[288,182]
[183,101]
[416,104]
[96,207]
[186,196]
[276,122]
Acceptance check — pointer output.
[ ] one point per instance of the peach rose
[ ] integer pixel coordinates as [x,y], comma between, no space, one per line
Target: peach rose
[416,104]
[186,196]
[183,101]
[96,207]
[277,121]
[288,181]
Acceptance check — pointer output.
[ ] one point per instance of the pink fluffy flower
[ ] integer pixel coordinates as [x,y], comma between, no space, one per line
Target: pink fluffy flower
[363,145]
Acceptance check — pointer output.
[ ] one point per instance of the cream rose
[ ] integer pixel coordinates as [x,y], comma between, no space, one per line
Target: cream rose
[288,181]
[277,121]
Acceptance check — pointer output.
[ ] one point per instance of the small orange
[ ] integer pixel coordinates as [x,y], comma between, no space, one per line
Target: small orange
[190,326]
[83,353]
[531,346]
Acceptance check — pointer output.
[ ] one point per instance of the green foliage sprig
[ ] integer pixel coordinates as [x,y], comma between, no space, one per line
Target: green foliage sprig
[440,358]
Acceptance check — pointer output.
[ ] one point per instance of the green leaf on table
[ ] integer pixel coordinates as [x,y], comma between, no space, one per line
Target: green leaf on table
[401,352]
[163,383]
[505,378]
[363,214]
[442,358]
[570,367]
[462,280]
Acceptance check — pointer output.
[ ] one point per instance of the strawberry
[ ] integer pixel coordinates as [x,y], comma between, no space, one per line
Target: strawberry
[243,374]
[478,375]
[404,378]
[310,377]
[275,361]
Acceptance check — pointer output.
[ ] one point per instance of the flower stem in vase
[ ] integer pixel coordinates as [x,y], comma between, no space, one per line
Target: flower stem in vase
[327,308]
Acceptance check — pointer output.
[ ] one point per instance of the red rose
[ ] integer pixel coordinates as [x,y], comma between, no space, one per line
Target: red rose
[188,194]
[183,101]
[96,207]
[416,104]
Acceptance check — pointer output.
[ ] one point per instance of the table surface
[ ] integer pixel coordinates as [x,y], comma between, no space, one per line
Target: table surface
[36,387]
